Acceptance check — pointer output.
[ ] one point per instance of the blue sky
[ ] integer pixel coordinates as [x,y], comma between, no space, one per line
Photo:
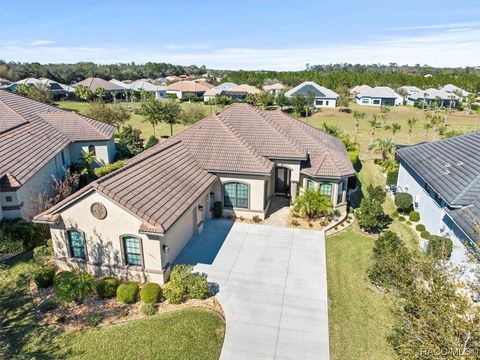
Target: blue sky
[245,34]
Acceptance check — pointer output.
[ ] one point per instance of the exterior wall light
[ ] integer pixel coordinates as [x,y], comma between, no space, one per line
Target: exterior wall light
[165,248]
[200,207]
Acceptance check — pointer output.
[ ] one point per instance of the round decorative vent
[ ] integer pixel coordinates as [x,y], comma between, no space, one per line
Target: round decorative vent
[99,210]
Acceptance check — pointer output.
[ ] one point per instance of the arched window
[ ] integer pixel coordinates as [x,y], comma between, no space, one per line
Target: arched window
[76,243]
[91,149]
[235,195]
[326,189]
[132,248]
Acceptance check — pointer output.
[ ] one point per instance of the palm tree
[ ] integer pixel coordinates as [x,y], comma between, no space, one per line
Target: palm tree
[384,147]
[171,112]
[331,130]
[394,128]
[426,127]
[358,115]
[411,123]
[374,125]
[384,113]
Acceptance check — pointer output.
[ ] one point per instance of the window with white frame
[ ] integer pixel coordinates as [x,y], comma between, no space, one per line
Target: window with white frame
[326,189]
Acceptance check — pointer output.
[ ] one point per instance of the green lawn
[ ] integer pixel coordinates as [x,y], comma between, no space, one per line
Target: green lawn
[138,120]
[183,334]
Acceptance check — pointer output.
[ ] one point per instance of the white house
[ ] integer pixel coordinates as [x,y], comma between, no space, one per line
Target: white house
[428,96]
[135,222]
[450,88]
[443,178]
[358,89]
[215,91]
[408,90]
[323,97]
[38,143]
[379,96]
[57,89]
[274,89]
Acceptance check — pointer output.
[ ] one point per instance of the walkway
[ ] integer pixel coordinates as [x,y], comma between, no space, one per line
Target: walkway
[278,212]
[272,287]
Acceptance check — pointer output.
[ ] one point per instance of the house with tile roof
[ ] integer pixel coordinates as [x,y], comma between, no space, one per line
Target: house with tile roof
[93,83]
[443,98]
[323,97]
[134,222]
[444,179]
[38,142]
[215,91]
[274,89]
[379,96]
[159,91]
[185,88]
[357,89]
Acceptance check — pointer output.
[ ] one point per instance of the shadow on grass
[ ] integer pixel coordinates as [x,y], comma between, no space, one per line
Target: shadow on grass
[22,336]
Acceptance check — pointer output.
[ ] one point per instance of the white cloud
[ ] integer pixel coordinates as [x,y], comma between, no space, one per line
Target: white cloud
[40,42]
[445,48]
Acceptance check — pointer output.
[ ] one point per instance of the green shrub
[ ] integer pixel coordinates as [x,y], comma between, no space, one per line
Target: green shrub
[29,233]
[43,254]
[198,287]
[93,319]
[217,209]
[256,219]
[439,247]
[354,157]
[70,286]
[401,218]
[403,201]
[150,293]
[392,177]
[10,245]
[312,204]
[414,216]
[394,214]
[425,234]
[149,309]
[175,293]
[420,227]
[107,287]
[107,169]
[44,277]
[151,142]
[127,292]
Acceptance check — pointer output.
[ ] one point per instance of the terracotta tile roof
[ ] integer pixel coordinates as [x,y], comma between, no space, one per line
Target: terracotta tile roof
[188,86]
[157,187]
[45,131]
[244,88]
[94,83]
[276,86]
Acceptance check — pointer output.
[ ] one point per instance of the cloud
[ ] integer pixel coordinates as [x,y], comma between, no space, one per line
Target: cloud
[41,42]
[437,26]
[441,48]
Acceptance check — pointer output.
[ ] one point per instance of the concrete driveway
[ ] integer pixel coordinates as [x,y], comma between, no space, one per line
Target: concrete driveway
[272,287]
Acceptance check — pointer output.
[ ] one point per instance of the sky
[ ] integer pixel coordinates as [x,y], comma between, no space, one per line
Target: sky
[242,34]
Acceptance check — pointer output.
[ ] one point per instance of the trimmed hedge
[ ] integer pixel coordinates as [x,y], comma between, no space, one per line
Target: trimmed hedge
[44,277]
[392,177]
[420,227]
[425,234]
[184,285]
[150,293]
[414,216]
[107,169]
[107,287]
[440,247]
[149,309]
[127,292]
[403,201]
[353,155]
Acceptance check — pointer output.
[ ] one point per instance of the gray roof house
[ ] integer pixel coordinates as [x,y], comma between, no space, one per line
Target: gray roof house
[217,90]
[443,98]
[94,83]
[240,157]
[408,90]
[323,97]
[450,88]
[444,180]
[57,89]
[37,144]
[379,96]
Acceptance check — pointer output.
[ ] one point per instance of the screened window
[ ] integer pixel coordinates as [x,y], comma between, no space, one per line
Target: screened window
[91,149]
[341,189]
[310,185]
[365,101]
[326,102]
[235,195]
[133,251]
[76,242]
[326,189]
[319,102]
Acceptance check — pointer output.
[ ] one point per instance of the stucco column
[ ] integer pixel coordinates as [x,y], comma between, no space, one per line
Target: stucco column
[293,190]
[345,190]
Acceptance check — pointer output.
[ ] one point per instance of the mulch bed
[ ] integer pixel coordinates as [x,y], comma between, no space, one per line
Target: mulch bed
[95,311]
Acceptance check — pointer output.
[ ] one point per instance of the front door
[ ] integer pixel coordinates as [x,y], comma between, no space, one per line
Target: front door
[282,181]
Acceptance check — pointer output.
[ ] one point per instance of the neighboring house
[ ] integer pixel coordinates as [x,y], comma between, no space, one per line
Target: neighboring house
[144,85]
[274,89]
[358,89]
[187,87]
[215,91]
[161,81]
[379,96]
[4,82]
[57,89]
[455,90]
[135,222]
[123,84]
[38,142]
[406,91]
[239,92]
[443,98]
[94,83]
[444,179]
[323,97]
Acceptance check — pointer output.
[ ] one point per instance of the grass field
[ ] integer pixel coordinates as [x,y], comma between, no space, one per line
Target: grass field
[138,120]
[183,334]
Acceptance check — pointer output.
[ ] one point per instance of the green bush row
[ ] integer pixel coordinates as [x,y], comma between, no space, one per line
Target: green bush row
[392,177]
[414,216]
[107,169]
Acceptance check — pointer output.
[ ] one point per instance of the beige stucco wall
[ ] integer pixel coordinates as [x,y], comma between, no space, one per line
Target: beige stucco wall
[293,165]
[256,194]
[105,150]
[335,187]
